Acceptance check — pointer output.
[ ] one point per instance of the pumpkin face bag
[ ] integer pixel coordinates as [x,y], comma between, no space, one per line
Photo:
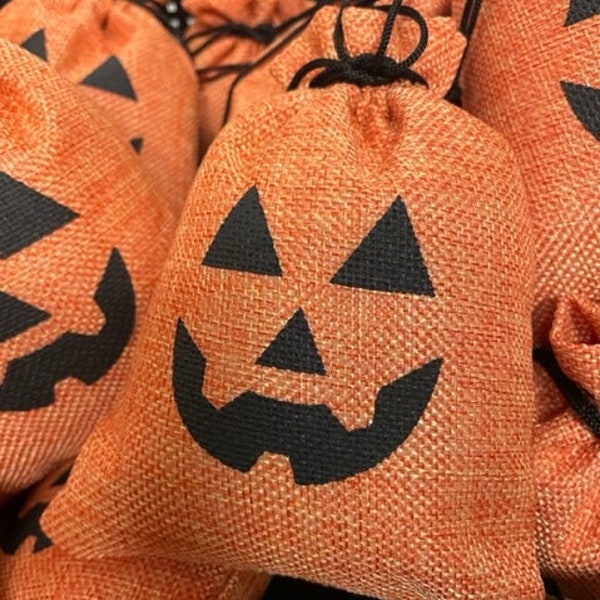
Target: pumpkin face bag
[81,240]
[125,59]
[534,75]
[334,378]
[33,568]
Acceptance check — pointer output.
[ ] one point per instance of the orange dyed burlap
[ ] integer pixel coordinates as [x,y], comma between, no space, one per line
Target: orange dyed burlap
[33,568]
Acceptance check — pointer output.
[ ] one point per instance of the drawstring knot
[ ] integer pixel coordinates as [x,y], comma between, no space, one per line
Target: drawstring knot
[368,69]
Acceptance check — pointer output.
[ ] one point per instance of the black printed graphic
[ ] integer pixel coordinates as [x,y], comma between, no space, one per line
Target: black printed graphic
[16,529]
[26,526]
[137,143]
[389,259]
[580,10]
[319,448]
[585,103]
[29,381]
[36,44]
[26,216]
[244,242]
[294,348]
[17,316]
[112,77]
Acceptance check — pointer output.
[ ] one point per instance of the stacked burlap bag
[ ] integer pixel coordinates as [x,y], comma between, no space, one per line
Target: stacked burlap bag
[82,239]
[334,379]
[130,65]
[532,73]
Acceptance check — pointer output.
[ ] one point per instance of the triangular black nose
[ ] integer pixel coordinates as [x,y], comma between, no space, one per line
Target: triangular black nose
[294,348]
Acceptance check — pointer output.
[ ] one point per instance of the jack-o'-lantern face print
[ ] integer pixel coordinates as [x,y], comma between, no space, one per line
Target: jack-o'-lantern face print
[28,217]
[386,262]
[109,77]
[124,56]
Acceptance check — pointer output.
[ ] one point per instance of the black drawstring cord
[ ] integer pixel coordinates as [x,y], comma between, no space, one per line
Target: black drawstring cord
[467,26]
[208,74]
[581,401]
[469,17]
[304,19]
[243,73]
[368,69]
[263,33]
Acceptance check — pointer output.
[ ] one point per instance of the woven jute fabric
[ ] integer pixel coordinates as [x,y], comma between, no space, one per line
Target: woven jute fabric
[334,381]
[32,567]
[129,64]
[82,238]
[532,73]
[231,49]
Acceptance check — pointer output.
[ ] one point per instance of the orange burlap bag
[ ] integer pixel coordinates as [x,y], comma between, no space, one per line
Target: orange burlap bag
[82,238]
[334,382]
[532,73]
[129,64]
[33,568]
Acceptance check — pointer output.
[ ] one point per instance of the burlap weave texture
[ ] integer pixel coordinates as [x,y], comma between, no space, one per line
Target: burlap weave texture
[82,238]
[131,66]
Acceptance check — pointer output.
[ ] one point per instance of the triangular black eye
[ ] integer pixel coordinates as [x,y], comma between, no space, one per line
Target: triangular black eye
[389,259]
[17,316]
[585,103]
[294,348]
[137,143]
[580,10]
[244,242]
[26,216]
[36,44]
[110,76]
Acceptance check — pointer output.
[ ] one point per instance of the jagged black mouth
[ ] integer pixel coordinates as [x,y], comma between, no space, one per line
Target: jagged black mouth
[319,448]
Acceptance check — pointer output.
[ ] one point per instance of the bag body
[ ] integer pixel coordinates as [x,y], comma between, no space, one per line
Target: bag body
[335,375]
[532,73]
[32,567]
[82,239]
